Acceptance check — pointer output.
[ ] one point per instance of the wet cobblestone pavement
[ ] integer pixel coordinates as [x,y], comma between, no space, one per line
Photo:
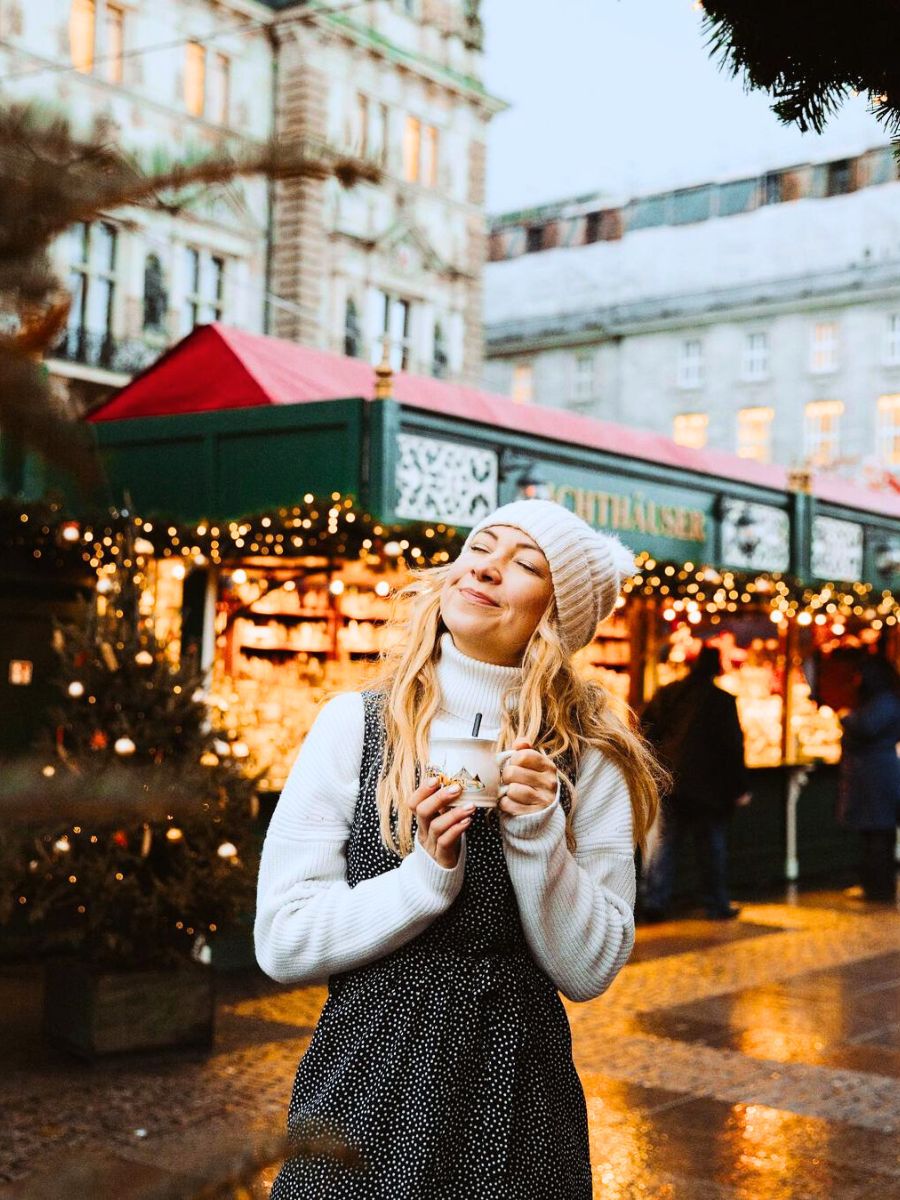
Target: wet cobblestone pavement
[753,1060]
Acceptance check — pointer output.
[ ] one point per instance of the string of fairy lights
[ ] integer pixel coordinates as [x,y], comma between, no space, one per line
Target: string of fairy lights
[334,527]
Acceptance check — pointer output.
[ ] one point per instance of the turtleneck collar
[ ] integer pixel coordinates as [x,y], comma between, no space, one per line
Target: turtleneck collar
[469,686]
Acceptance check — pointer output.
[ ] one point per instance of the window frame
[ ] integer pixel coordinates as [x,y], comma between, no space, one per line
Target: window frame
[888,433]
[521,388]
[114,54]
[684,423]
[752,419]
[755,365]
[690,366]
[891,355]
[86,12]
[199,308]
[823,352]
[195,57]
[817,434]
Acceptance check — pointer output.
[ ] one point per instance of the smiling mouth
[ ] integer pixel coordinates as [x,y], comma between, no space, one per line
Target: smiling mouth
[478,598]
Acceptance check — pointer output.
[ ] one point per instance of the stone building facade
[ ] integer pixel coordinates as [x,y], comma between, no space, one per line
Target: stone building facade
[393,80]
[398,263]
[168,80]
[759,316]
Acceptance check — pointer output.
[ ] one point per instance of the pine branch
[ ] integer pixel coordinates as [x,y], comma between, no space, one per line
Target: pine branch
[810,55]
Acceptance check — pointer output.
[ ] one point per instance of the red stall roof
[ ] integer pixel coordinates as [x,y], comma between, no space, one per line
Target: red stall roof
[216,367]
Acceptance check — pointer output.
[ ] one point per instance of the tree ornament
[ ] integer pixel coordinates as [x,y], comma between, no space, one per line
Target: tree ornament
[144,658]
[124,746]
[49,771]
[99,740]
[76,689]
[221,748]
[109,657]
[174,834]
[227,850]
[208,759]
[63,845]
[146,840]
[120,837]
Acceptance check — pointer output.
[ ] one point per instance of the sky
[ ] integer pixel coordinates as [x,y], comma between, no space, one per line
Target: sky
[621,96]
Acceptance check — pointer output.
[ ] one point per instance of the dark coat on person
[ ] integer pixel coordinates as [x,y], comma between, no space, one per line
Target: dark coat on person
[870,770]
[695,729]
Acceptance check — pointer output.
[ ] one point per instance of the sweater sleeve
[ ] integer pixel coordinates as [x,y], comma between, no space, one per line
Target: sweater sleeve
[309,922]
[577,910]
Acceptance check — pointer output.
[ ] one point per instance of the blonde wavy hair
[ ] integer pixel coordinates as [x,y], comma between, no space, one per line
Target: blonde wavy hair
[554,709]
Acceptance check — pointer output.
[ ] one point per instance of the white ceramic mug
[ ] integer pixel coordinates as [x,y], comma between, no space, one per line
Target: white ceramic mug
[472,762]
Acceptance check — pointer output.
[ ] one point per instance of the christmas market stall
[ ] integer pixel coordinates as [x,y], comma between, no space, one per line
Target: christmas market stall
[287,491]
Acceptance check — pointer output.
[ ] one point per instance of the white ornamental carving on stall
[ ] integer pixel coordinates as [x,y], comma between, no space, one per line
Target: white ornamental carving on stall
[444,481]
[837,549]
[755,537]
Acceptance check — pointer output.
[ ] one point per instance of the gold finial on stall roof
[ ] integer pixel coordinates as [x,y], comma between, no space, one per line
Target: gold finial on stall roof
[800,479]
[384,375]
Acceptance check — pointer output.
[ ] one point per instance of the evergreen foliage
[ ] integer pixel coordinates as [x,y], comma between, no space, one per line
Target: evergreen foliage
[143,879]
[811,55]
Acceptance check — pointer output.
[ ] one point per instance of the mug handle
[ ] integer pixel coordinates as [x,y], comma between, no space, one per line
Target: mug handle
[500,759]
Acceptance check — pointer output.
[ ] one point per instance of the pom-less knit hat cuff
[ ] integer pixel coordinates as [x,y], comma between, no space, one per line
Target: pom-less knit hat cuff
[587,567]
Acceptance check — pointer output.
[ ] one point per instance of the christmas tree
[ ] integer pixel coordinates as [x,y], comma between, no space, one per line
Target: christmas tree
[152,871]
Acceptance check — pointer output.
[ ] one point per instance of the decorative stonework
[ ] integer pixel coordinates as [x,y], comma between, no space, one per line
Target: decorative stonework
[444,481]
[755,537]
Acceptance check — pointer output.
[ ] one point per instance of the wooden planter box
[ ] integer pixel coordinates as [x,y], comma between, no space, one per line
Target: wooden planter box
[92,1012]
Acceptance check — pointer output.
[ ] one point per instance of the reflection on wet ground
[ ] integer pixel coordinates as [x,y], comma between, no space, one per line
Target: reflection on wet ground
[756,1060]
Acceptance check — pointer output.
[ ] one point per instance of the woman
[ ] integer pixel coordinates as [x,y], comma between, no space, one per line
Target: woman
[870,775]
[443,1053]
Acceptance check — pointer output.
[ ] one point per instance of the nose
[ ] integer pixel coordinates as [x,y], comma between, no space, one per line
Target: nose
[487,567]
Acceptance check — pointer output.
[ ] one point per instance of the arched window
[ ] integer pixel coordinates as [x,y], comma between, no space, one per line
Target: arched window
[439,360]
[351,331]
[156,299]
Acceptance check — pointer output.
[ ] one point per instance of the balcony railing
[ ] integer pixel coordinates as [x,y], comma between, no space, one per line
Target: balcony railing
[91,348]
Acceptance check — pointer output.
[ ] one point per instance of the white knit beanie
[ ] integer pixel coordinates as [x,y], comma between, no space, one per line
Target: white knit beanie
[587,567]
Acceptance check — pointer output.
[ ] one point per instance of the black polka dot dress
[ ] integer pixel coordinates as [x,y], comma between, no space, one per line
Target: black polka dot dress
[445,1065]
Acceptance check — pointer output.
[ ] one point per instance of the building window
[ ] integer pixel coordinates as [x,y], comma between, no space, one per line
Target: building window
[82,23]
[204,292]
[429,169]
[585,376]
[391,326]
[691,429]
[822,431]
[773,188]
[420,153]
[219,97]
[359,139]
[839,179]
[534,239]
[690,364]
[592,228]
[888,430]
[439,358]
[351,330]
[412,149]
[114,42]
[892,341]
[755,364]
[523,383]
[823,348]
[195,78]
[754,433]
[92,251]
[156,299]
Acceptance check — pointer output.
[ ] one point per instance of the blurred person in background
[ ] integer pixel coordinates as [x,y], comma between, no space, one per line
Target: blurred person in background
[694,726]
[869,787]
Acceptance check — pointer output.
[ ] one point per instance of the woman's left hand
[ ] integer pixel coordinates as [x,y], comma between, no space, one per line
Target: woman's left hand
[529,781]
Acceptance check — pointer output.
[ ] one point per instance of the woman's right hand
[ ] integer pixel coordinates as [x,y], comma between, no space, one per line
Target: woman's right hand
[440,828]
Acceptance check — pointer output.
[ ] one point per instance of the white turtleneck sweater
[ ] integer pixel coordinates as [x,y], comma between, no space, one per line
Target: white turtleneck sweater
[576,910]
